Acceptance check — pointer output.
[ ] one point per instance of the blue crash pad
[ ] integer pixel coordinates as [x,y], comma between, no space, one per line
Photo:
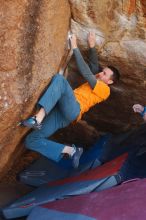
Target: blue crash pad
[96,179]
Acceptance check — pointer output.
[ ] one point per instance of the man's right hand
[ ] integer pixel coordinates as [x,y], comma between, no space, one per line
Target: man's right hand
[138,108]
[91,39]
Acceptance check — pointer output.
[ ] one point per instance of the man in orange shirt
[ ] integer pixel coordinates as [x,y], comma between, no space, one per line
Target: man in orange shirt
[60,105]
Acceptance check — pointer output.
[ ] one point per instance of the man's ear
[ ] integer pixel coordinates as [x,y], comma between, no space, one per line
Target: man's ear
[110,82]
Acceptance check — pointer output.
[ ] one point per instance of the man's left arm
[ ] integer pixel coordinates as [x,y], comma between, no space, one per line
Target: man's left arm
[92,54]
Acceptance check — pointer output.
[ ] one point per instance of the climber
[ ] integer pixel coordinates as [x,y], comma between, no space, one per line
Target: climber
[60,105]
[141,110]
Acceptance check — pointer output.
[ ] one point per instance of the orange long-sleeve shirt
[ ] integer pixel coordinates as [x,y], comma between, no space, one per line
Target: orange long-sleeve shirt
[88,97]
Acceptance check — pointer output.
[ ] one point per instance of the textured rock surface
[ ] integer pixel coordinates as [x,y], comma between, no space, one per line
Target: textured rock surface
[32,40]
[32,43]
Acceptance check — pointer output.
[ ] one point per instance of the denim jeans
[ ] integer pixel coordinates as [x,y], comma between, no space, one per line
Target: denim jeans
[122,143]
[134,166]
[61,109]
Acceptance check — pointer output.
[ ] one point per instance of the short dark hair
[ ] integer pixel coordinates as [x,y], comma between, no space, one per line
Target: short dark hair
[116,73]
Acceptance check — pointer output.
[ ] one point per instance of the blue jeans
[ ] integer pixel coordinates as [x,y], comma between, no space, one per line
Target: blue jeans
[61,109]
[134,166]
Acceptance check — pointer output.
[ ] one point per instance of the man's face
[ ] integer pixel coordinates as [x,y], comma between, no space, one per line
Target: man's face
[105,76]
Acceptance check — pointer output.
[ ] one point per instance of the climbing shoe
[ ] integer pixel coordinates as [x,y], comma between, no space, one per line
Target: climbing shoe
[31,123]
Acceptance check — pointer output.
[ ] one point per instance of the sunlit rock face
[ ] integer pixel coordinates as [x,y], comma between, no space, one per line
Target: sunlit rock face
[120,28]
[32,43]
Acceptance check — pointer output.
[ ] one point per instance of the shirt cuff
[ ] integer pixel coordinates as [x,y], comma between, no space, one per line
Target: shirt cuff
[92,48]
[144,111]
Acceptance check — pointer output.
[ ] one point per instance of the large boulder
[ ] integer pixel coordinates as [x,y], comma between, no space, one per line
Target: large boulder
[32,42]
[33,35]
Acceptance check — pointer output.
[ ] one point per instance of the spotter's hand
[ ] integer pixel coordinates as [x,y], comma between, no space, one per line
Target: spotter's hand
[138,108]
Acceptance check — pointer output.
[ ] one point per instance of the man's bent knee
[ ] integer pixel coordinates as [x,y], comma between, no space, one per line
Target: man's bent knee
[58,77]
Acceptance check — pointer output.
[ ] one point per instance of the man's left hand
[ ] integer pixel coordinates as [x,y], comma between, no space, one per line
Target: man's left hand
[91,39]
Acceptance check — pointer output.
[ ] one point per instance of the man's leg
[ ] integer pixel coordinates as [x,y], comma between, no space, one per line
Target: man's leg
[38,140]
[134,166]
[59,91]
[114,147]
